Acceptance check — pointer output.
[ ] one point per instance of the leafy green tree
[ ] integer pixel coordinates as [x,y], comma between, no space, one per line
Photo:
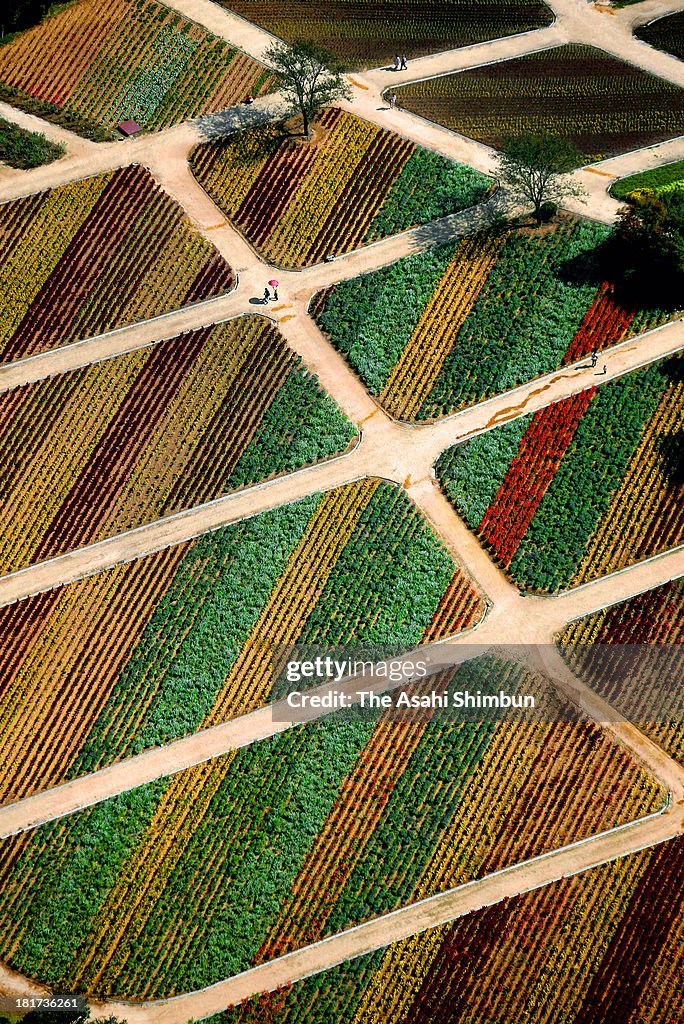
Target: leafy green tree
[310,77]
[651,231]
[536,169]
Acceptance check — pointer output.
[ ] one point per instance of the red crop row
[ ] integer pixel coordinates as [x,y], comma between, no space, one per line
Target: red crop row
[273,189]
[541,450]
[605,323]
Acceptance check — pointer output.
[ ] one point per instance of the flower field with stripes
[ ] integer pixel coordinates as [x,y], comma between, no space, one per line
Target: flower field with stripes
[603,945]
[355,183]
[474,318]
[99,253]
[357,34]
[652,620]
[582,488]
[301,835]
[125,441]
[96,63]
[603,104]
[162,646]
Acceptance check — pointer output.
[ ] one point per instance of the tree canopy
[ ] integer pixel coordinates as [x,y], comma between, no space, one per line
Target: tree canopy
[536,167]
[309,77]
[651,227]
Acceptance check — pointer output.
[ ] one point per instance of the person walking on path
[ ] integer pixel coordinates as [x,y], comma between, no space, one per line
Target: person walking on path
[403,65]
[603,372]
[267,295]
[594,358]
[393,100]
[396,62]
[275,294]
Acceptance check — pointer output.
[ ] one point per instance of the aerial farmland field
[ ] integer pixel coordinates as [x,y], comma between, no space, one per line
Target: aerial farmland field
[341,534]
[358,33]
[374,571]
[94,254]
[551,507]
[145,434]
[665,33]
[549,955]
[131,59]
[262,814]
[604,105]
[520,304]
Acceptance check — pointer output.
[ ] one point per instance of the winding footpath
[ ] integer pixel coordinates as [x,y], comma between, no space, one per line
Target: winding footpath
[400,452]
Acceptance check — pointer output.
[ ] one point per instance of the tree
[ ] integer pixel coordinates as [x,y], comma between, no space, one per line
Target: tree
[309,77]
[651,230]
[536,169]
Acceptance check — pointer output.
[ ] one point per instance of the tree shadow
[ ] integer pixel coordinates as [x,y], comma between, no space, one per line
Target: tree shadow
[487,215]
[671,450]
[224,124]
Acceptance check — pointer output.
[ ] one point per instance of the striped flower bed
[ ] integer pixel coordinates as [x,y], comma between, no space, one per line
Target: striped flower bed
[298,202]
[96,63]
[582,488]
[83,258]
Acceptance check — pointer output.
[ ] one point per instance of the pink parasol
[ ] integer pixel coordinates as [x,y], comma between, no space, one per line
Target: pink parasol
[273,284]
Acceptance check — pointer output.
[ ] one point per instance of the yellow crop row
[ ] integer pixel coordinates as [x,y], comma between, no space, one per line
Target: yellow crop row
[172,443]
[436,333]
[630,515]
[293,598]
[45,239]
[321,188]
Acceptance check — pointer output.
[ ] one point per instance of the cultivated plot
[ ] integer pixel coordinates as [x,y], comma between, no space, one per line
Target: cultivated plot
[125,441]
[602,945]
[195,878]
[95,63]
[23,149]
[159,647]
[603,104]
[439,331]
[298,202]
[653,618]
[80,259]
[665,34]
[369,34]
[582,488]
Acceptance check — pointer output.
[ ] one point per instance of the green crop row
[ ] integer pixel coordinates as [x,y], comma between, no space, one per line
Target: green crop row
[23,149]
[657,179]
[429,187]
